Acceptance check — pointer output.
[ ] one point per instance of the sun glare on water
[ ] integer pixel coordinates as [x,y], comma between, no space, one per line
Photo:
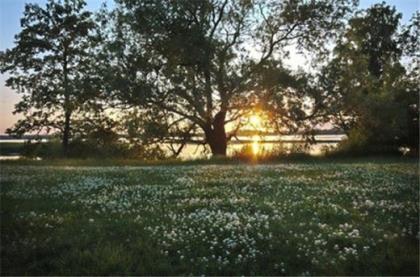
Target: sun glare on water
[255,123]
[255,145]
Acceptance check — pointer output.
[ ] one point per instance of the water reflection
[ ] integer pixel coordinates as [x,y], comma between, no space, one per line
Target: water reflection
[255,145]
[259,146]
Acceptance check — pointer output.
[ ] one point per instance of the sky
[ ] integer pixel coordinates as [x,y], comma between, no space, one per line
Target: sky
[12,10]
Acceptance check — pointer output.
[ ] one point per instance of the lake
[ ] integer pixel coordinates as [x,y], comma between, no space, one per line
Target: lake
[256,143]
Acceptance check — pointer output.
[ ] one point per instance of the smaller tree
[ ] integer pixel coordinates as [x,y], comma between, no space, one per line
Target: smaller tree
[409,40]
[51,66]
[371,94]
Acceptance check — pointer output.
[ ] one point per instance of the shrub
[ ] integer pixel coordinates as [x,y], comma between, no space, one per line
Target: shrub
[90,148]
[358,143]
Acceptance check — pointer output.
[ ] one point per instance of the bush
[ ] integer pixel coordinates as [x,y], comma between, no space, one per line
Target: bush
[89,148]
[10,148]
[42,149]
[358,143]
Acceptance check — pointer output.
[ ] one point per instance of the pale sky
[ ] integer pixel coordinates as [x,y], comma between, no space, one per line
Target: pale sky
[12,10]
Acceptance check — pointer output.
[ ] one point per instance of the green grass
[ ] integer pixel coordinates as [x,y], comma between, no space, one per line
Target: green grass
[106,162]
[357,217]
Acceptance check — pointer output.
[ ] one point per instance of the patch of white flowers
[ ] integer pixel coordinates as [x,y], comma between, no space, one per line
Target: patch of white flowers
[223,216]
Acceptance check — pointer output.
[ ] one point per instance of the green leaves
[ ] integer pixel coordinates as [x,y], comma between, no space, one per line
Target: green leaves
[370,89]
[51,63]
[199,59]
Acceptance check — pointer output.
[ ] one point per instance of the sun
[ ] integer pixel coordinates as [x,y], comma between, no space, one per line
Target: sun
[255,121]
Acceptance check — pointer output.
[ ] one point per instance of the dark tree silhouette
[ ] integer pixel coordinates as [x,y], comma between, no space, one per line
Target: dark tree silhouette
[199,60]
[51,65]
[373,95]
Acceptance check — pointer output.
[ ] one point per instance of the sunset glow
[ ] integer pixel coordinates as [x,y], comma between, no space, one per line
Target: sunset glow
[255,121]
[210,137]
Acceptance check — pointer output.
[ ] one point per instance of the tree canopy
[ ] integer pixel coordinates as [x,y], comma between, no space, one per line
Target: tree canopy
[51,66]
[374,96]
[175,71]
[201,61]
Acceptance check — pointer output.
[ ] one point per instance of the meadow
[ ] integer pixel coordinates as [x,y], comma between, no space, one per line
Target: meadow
[300,218]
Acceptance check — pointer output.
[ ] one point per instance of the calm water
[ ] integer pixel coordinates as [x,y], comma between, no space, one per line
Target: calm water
[266,144]
[257,145]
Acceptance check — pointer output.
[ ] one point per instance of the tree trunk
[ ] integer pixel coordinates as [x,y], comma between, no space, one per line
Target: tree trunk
[216,135]
[66,133]
[67,110]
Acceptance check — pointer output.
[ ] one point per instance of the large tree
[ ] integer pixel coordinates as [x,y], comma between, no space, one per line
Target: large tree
[372,87]
[200,61]
[51,66]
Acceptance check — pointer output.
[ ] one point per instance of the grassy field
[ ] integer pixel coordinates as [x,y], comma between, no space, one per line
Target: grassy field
[329,218]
